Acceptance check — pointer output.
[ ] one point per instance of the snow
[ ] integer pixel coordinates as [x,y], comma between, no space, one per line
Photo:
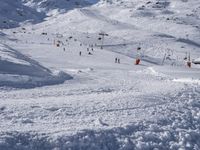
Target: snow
[53,98]
[14,13]
[18,70]
[197,61]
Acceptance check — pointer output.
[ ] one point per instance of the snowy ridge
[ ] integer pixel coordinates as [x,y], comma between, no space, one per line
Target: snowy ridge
[15,13]
[48,5]
[12,13]
[17,70]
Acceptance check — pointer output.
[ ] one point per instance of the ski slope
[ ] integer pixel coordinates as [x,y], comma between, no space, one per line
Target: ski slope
[51,97]
[18,70]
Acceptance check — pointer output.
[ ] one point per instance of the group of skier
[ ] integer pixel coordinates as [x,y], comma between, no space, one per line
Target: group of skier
[117,60]
[88,50]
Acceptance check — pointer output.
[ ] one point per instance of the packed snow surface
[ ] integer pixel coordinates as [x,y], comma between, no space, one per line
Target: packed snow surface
[61,86]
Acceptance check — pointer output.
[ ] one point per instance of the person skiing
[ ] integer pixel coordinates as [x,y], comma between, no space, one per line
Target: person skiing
[137,61]
[80,53]
[116,60]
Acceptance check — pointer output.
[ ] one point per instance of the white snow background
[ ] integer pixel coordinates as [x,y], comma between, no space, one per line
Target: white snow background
[51,98]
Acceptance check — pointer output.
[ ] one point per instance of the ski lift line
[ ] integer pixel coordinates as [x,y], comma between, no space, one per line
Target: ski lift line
[102,39]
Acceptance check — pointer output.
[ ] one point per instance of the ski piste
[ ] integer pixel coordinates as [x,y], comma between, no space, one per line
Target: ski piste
[99,74]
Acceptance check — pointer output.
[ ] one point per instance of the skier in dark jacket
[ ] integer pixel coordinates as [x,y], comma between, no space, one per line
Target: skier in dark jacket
[116,60]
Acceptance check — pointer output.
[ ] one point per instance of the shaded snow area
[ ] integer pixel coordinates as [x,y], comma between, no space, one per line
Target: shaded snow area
[68,79]
[18,70]
[17,12]
[13,13]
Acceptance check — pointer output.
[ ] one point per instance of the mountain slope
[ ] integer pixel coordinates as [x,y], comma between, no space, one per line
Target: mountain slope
[13,13]
[110,103]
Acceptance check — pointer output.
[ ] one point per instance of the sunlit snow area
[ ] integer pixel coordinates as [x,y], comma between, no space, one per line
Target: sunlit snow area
[69,79]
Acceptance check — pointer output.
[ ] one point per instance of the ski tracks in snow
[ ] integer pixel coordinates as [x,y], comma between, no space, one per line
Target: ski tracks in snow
[106,102]
[117,102]
[175,125]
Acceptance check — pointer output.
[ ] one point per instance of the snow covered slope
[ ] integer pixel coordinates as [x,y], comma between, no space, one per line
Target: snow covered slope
[159,27]
[18,70]
[14,13]
[62,5]
[107,104]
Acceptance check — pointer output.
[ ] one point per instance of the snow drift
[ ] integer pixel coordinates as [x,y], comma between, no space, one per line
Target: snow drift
[18,70]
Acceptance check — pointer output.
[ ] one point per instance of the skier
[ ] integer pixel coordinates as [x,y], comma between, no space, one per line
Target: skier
[80,53]
[137,61]
[116,59]
[189,64]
